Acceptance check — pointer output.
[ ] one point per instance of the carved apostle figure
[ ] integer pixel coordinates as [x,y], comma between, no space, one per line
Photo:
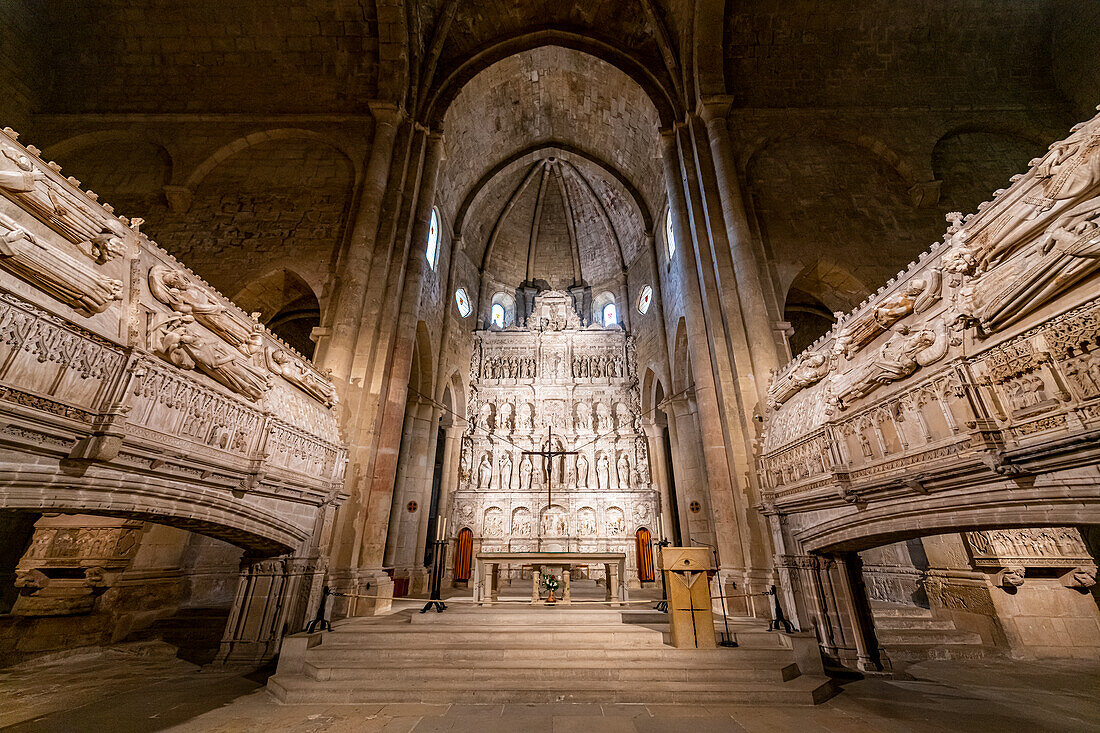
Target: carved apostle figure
[188,348]
[465,461]
[622,470]
[525,473]
[521,523]
[485,472]
[505,478]
[582,472]
[603,472]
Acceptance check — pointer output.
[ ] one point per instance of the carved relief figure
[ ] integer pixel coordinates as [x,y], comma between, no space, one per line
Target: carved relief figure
[603,419]
[917,295]
[583,422]
[176,290]
[905,351]
[616,522]
[183,344]
[521,522]
[809,370]
[465,461]
[504,418]
[303,377]
[582,472]
[485,418]
[586,522]
[55,272]
[603,472]
[494,522]
[505,477]
[1065,255]
[526,420]
[485,472]
[622,470]
[622,417]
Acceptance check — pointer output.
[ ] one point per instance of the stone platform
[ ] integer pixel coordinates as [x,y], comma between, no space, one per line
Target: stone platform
[519,654]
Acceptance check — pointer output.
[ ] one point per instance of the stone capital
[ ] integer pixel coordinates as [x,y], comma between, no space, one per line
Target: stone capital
[385,113]
[715,108]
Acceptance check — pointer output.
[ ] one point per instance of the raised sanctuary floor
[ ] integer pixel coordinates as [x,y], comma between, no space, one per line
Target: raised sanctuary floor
[518,653]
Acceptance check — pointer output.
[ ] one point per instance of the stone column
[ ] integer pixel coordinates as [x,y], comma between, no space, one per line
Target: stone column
[747,269]
[659,470]
[624,299]
[254,629]
[405,487]
[391,407]
[337,351]
[418,572]
[719,477]
[853,600]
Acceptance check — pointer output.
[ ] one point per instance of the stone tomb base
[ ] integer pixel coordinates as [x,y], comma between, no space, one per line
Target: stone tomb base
[524,654]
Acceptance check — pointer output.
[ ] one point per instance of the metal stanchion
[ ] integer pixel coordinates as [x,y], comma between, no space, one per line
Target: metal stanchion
[440,544]
[320,623]
[780,621]
[728,642]
[662,605]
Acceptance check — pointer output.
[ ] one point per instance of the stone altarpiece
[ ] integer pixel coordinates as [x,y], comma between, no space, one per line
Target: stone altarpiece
[579,384]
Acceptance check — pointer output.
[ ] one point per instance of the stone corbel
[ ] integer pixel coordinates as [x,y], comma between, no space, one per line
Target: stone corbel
[925,194]
[179,198]
[1082,577]
[1008,578]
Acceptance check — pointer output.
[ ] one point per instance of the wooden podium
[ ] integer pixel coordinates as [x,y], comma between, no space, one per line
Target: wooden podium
[689,609]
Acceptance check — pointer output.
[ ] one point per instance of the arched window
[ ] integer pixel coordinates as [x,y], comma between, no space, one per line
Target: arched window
[463,302]
[644,299]
[433,238]
[610,315]
[670,234]
[502,313]
[605,311]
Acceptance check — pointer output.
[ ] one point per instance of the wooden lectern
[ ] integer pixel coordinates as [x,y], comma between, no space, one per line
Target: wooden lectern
[689,610]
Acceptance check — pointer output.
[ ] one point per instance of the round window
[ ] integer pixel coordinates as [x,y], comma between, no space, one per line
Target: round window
[644,299]
[463,302]
[670,235]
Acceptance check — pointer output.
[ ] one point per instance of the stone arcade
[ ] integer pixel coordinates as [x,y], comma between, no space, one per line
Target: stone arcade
[288,289]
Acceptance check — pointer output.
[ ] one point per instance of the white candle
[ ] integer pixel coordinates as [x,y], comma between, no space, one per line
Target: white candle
[440,528]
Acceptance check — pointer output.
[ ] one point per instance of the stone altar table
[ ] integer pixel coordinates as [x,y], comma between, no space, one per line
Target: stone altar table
[487,571]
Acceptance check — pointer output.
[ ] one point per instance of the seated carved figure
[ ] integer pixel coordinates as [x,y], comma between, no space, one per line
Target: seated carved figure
[48,268]
[189,348]
[175,289]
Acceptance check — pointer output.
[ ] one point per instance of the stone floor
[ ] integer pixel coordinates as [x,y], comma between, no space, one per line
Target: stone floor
[143,687]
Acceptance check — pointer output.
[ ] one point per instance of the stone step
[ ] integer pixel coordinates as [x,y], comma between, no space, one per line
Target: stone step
[903,622]
[549,673]
[885,610]
[620,636]
[532,616]
[670,656]
[803,690]
[926,637]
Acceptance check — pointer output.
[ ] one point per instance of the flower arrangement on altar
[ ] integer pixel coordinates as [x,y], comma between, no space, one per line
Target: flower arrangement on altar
[551,584]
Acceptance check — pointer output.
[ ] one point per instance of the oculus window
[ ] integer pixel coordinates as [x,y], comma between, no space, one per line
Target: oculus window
[463,302]
[644,299]
[432,252]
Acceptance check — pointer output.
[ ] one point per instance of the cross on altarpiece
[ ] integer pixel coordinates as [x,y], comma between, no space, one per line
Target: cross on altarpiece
[549,455]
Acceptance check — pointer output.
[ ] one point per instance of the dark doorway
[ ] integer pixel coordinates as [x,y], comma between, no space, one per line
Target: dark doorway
[673,505]
[433,509]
